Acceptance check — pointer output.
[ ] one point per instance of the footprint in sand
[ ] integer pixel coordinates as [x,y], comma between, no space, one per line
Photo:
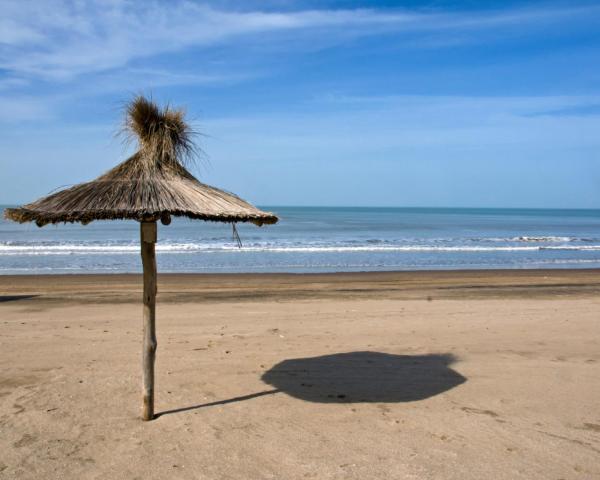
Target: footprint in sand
[25,440]
[594,427]
[480,411]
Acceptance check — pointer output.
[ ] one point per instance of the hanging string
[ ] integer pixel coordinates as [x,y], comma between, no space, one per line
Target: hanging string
[236,236]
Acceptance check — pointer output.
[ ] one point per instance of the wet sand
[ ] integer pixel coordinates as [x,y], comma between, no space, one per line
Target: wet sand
[420,375]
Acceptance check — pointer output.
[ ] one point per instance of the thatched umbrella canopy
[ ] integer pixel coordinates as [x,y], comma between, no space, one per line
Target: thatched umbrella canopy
[153,184]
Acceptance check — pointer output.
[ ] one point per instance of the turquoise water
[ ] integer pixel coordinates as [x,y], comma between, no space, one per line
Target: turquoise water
[319,239]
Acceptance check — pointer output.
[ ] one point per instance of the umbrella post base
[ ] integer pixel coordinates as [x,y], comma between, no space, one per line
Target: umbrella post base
[148,239]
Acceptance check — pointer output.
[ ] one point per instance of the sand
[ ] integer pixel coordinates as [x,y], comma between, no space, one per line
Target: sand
[430,375]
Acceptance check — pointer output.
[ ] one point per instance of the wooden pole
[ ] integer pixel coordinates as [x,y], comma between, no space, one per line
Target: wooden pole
[148,239]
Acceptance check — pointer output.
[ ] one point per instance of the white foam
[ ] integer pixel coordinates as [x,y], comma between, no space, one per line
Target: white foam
[548,239]
[179,248]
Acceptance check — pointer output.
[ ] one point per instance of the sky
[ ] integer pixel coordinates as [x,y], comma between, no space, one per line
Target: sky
[345,103]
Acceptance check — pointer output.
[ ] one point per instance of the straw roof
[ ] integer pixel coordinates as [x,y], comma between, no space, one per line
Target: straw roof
[152,184]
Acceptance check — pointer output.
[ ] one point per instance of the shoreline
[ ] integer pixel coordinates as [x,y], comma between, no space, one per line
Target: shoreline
[221,287]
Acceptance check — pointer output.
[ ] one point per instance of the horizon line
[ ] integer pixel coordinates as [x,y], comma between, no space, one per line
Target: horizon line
[421,207]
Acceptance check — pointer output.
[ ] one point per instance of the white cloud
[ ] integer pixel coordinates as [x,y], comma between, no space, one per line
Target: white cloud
[57,39]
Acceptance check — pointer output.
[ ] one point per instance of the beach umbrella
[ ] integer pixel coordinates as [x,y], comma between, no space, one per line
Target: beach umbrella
[151,185]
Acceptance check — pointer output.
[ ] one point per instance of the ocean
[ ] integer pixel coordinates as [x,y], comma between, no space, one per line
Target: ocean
[318,239]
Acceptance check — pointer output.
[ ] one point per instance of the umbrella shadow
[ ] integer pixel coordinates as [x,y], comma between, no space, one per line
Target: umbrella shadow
[355,377]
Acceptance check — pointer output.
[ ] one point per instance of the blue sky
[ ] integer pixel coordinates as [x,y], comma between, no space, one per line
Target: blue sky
[435,103]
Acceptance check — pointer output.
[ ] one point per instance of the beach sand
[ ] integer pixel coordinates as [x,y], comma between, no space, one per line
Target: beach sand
[416,375]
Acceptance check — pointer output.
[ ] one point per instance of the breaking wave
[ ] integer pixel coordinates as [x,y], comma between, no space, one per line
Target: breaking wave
[12,248]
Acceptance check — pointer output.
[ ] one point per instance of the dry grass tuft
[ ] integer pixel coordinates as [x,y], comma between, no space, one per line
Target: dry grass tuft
[163,134]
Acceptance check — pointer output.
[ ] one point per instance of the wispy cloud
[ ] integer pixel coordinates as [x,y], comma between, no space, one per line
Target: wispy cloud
[476,146]
[23,108]
[59,39]
[349,124]
[583,109]
[66,65]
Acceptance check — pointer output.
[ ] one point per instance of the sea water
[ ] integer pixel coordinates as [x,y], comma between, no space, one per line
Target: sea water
[318,239]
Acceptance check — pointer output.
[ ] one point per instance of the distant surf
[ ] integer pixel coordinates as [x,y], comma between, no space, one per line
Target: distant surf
[175,248]
[319,239]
